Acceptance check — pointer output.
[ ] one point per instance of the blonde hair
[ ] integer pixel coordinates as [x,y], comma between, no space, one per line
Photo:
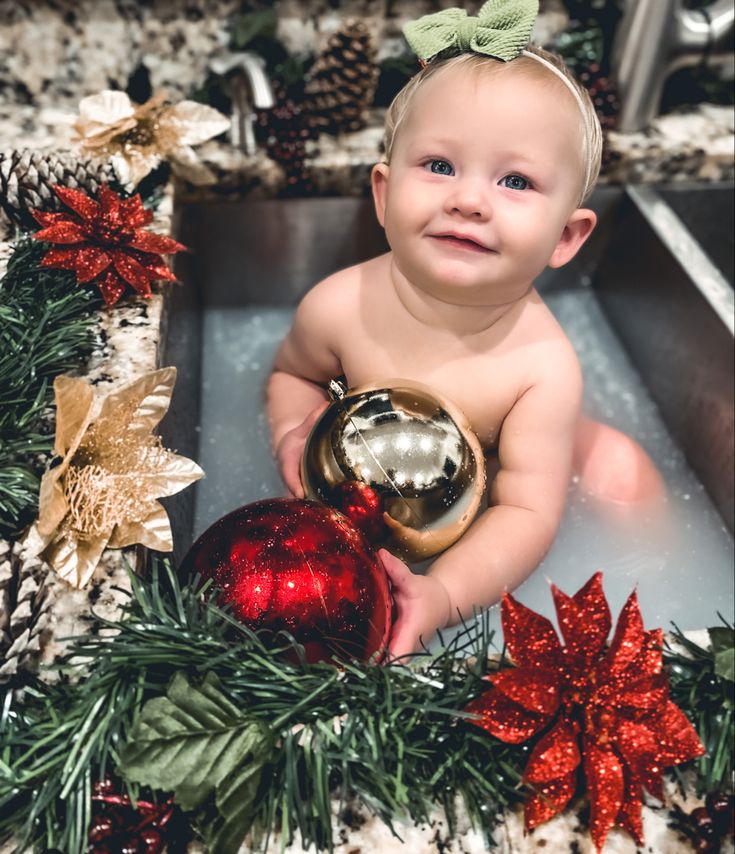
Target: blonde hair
[534,60]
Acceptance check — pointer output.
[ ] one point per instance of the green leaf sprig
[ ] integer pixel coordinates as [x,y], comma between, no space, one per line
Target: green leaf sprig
[195,742]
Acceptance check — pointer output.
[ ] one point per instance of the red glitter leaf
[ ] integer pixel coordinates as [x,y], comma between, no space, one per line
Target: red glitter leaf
[134,273]
[555,755]
[534,689]
[86,261]
[627,642]
[90,262]
[679,741]
[604,772]
[133,212]
[548,799]
[639,746]
[160,271]
[531,638]
[156,267]
[48,217]
[111,287]
[629,817]
[584,619]
[650,660]
[62,259]
[62,231]
[503,718]
[148,242]
[648,693]
[82,204]
[110,203]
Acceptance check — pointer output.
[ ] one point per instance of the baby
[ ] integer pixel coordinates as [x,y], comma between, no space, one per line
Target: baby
[487,166]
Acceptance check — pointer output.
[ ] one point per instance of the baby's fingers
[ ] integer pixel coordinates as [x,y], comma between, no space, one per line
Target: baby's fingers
[291,473]
[400,575]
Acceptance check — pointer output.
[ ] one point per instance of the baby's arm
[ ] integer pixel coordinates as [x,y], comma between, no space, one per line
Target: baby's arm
[508,541]
[295,394]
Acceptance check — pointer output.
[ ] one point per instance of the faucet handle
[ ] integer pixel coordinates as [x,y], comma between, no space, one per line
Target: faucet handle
[249,88]
[253,67]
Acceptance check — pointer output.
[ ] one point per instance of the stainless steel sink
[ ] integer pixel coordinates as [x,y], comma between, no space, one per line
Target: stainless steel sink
[648,303]
[665,282]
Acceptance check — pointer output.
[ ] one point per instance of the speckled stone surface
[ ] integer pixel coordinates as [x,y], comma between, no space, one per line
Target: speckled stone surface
[695,145]
[128,345]
[52,54]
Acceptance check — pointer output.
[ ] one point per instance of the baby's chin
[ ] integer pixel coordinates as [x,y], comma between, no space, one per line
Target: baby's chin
[467,288]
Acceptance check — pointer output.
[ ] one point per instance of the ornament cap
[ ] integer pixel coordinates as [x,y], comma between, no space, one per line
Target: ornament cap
[337,390]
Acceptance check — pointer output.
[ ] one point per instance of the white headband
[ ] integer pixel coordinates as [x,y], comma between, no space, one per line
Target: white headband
[592,136]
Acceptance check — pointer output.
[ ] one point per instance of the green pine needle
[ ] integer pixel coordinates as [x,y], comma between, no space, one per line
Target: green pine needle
[47,326]
[708,699]
[402,746]
[149,698]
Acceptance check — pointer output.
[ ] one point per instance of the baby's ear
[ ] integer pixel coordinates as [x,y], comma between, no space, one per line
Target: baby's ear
[578,228]
[379,183]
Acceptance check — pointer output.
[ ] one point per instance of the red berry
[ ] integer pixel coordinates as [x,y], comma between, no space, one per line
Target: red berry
[703,824]
[101,828]
[152,841]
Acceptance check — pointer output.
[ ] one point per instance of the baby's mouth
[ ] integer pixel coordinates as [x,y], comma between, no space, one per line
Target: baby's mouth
[461,243]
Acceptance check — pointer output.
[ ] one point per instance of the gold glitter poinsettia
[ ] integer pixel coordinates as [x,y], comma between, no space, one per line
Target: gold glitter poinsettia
[103,493]
[137,137]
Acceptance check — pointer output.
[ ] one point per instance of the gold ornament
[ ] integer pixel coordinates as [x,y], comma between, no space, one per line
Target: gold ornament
[413,449]
[103,492]
[137,137]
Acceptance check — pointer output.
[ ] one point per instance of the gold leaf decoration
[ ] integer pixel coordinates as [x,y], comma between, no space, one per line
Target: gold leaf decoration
[103,493]
[137,137]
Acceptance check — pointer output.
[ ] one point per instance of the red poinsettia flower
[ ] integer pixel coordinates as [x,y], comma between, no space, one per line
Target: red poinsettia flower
[104,242]
[606,709]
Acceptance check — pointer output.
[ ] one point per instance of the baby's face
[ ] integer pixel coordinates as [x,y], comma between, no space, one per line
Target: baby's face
[495,159]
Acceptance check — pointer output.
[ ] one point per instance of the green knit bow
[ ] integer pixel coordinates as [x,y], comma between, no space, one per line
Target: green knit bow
[501,30]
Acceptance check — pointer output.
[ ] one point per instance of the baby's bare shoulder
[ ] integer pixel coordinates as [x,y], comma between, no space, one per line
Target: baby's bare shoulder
[340,289]
[549,353]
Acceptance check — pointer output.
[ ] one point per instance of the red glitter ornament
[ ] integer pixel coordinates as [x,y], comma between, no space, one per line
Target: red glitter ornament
[606,708]
[363,507]
[104,242]
[296,565]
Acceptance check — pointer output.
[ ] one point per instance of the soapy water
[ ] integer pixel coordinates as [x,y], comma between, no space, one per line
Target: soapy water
[677,554]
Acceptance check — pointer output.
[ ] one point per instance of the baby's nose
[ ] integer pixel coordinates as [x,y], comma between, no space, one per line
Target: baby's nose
[469,199]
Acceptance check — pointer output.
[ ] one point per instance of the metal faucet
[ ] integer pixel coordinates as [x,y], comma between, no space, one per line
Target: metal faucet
[249,88]
[658,37]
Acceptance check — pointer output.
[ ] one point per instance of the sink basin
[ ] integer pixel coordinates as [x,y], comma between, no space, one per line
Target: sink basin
[707,212]
[673,310]
[647,304]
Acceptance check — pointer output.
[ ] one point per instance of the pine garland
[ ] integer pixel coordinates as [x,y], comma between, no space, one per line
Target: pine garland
[702,685]
[180,681]
[46,327]
[401,746]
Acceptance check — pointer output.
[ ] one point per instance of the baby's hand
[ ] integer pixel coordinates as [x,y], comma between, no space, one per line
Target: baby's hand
[291,448]
[423,606]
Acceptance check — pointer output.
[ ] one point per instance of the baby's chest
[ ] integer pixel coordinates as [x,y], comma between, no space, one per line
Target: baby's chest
[484,386]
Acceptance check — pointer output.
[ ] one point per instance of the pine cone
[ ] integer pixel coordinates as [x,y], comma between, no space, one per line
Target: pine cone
[23,611]
[342,81]
[26,178]
[284,131]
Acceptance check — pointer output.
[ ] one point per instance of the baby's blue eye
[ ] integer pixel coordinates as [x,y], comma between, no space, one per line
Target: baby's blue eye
[515,182]
[441,167]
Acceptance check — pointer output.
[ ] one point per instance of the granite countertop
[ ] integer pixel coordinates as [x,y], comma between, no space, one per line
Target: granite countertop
[692,146]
